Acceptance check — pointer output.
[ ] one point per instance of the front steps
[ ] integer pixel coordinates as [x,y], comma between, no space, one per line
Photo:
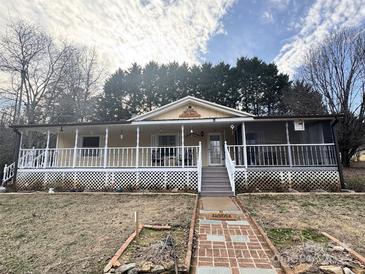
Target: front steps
[215,182]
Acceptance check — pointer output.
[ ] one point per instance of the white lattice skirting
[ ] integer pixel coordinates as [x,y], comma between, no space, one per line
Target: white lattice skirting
[107,180]
[282,180]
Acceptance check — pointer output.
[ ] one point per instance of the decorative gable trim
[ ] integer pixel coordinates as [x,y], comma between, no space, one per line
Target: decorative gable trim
[191,99]
[190,112]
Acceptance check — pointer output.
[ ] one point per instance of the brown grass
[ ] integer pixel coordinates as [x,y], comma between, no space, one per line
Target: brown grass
[355,177]
[342,216]
[73,233]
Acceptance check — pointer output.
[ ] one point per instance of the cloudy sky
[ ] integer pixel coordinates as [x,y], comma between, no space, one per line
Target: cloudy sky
[193,31]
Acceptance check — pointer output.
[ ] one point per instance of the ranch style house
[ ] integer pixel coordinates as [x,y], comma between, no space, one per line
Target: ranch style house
[191,145]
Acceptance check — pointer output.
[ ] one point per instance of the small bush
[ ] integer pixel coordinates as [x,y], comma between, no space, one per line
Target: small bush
[356,183]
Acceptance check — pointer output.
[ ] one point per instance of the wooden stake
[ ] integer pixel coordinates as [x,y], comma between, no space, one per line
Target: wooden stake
[136,222]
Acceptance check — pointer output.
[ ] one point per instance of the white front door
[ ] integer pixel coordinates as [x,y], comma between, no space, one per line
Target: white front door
[214,149]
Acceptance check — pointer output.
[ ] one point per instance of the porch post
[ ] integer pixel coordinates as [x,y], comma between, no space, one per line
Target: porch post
[289,146]
[244,144]
[75,147]
[19,152]
[182,146]
[58,140]
[106,147]
[137,148]
[46,151]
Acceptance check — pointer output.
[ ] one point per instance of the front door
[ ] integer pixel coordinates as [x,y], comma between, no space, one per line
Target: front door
[214,149]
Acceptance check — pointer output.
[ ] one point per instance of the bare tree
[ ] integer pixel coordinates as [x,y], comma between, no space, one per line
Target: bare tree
[336,69]
[80,83]
[35,64]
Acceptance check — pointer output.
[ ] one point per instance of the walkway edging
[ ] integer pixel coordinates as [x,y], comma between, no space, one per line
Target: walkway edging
[283,265]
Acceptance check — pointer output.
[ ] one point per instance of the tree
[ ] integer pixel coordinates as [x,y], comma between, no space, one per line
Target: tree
[300,99]
[79,85]
[35,65]
[252,85]
[257,86]
[336,70]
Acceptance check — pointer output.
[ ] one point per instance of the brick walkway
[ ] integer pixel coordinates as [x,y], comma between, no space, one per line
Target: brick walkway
[233,246]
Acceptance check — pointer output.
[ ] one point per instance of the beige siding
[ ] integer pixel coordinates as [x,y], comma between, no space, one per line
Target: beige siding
[205,112]
[66,140]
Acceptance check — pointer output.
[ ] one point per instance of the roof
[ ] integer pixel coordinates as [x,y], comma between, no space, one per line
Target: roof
[190,99]
[121,122]
[280,117]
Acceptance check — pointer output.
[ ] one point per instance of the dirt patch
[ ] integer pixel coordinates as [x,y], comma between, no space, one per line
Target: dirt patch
[355,178]
[310,249]
[78,233]
[158,248]
[342,216]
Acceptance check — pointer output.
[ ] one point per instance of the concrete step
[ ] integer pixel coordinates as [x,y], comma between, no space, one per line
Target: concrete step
[214,188]
[215,179]
[215,169]
[216,193]
[215,175]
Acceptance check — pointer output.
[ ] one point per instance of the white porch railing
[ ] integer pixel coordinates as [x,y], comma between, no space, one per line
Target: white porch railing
[278,155]
[199,166]
[9,171]
[230,165]
[110,157]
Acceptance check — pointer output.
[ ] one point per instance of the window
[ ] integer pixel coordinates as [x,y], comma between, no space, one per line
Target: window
[251,138]
[166,140]
[91,141]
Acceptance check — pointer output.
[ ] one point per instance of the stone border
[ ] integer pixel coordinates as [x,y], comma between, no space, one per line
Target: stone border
[283,265]
[353,253]
[302,194]
[189,253]
[99,193]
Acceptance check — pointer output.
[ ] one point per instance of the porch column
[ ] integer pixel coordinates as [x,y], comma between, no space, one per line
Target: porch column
[75,147]
[137,147]
[18,156]
[244,144]
[106,147]
[182,146]
[289,146]
[58,140]
[46,151]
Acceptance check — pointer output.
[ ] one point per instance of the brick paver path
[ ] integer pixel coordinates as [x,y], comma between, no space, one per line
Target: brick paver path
[229,247]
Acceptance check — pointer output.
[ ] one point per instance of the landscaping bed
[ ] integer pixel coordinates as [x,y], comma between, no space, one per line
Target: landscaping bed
[156,251]
[79,233]
[294,223]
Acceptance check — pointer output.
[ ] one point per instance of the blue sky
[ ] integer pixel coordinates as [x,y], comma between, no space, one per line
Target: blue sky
[127,31]
[255,28]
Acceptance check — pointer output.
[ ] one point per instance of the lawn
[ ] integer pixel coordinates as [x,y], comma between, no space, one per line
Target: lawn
[301,216]
[355,177]
[77,233]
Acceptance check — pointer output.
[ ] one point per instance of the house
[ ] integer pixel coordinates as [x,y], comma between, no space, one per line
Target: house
[190,144]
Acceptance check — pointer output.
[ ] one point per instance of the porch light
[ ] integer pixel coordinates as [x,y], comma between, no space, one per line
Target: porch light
[121,135]
[191,131]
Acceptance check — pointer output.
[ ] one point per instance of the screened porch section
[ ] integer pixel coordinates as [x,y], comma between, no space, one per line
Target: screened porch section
[270,144]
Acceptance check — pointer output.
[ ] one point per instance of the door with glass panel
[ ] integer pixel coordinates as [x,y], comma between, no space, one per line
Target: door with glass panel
[214,149]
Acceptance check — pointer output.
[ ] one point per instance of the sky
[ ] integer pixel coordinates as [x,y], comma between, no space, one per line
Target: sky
[192,31]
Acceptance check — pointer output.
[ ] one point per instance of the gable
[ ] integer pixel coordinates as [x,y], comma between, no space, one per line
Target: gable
[190,108]
[191,111]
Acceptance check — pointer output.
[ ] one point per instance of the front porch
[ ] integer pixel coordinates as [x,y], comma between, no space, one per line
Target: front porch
[256,154]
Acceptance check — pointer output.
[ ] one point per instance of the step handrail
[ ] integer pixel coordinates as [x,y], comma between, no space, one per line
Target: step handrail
[230,165]
[9,172]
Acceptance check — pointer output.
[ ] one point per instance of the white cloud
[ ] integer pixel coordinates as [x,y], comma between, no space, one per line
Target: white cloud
[323,17]
[267,17]
[128,31]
